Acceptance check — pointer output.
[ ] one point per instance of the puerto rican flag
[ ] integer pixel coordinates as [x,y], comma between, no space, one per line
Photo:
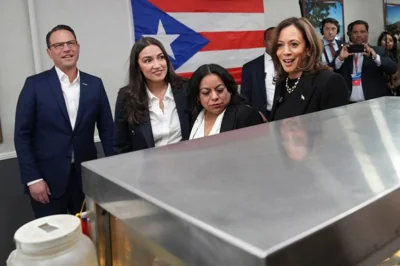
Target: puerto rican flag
[197,32]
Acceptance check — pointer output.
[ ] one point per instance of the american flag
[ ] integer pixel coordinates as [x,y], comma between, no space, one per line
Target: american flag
[197,32]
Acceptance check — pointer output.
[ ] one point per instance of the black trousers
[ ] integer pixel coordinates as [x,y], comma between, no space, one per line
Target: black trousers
[70,202]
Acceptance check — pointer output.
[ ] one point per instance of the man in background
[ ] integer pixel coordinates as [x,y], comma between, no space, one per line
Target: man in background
[364,71]
[56,115]
[258,78]
[329,29]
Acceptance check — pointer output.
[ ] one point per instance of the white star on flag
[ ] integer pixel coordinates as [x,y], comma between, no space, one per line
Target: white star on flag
[165,39]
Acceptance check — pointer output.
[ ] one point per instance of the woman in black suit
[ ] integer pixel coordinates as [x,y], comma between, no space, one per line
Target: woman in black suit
[216,104]
[303,85]
[151,110]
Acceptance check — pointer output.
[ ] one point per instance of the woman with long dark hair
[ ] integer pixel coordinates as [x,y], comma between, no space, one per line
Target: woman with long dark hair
[151,110]
[216,104]
[389,42]
[303,85]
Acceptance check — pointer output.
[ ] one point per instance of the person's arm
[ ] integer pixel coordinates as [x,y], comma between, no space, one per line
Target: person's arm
[343,55]
[335,92]
[105,123]
[24,131]
[245,86]
[122,138]
[383,61]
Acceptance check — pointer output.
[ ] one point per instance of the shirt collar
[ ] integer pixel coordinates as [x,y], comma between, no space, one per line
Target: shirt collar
[64,78]
[267,57]
[267,60]
[328,42]
[168,93]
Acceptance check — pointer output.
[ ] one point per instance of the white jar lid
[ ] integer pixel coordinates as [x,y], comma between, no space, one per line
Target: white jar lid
[47,233]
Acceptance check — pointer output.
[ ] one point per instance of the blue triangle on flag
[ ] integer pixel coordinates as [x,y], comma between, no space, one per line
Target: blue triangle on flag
[146,18]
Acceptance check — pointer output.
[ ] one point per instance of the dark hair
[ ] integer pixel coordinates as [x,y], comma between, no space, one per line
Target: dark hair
[312,63]
[57,28]
[134,94]
[329,20]
[357,22]
[194,87]
[267,30]
[383,35]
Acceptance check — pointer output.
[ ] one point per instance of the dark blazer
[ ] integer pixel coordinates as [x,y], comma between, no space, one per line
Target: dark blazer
[135,137]
[44,139]
[320,91]
[253,84]
[372,76]
[240,116]
[325,55]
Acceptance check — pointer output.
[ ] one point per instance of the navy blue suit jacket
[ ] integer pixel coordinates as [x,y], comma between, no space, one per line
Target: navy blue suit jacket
[44,138]
[253,84]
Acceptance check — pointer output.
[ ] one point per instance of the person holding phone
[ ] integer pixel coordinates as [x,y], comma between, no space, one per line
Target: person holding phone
[363,66]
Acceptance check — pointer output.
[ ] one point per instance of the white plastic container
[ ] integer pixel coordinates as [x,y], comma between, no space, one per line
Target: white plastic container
[53,240]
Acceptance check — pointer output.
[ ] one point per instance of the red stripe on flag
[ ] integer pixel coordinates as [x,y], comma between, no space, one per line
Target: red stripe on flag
[233,40]
[235,72]
[221,6]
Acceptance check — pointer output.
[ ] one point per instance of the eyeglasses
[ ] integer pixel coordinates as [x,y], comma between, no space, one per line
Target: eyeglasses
[60,45]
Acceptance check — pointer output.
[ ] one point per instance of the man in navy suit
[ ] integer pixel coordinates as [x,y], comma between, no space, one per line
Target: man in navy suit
[258,78]
[329,29]
[56,115]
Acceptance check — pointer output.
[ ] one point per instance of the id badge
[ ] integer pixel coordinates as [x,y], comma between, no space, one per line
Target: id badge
[356,79]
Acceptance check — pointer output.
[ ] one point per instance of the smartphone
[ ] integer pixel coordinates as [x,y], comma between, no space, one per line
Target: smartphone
[356,48]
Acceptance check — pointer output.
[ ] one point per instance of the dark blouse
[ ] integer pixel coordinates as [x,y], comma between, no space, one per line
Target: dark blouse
[290,106]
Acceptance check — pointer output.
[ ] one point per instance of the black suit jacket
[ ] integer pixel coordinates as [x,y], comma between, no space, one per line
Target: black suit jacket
[325,55]
[372,76]
[253,84]
[133,137]
[43,136]
[240,116]
[320,91]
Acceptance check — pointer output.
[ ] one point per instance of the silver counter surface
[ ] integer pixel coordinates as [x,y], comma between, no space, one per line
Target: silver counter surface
[291,192]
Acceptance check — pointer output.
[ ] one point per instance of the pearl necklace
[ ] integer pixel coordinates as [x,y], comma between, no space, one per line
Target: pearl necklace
[291,89]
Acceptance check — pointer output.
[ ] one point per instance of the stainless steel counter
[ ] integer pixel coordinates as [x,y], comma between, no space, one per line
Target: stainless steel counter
[319,189]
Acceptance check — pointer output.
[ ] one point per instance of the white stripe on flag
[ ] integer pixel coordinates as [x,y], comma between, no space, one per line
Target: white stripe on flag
[216,22]
[227,58]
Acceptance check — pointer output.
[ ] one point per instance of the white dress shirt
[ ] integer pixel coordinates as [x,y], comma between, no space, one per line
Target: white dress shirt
[199,126]
[357,93]
[165,125]
[328,51]
[269,80]
[71,92]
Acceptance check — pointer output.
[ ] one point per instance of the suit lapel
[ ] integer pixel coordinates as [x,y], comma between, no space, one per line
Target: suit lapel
[308,83]
[58,94]
[229,120]
[350,63]
[181,103]
[83,98]
[147,131]
[261,75]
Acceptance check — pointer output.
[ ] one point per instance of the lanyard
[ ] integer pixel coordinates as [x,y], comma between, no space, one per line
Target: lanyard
[356,62]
